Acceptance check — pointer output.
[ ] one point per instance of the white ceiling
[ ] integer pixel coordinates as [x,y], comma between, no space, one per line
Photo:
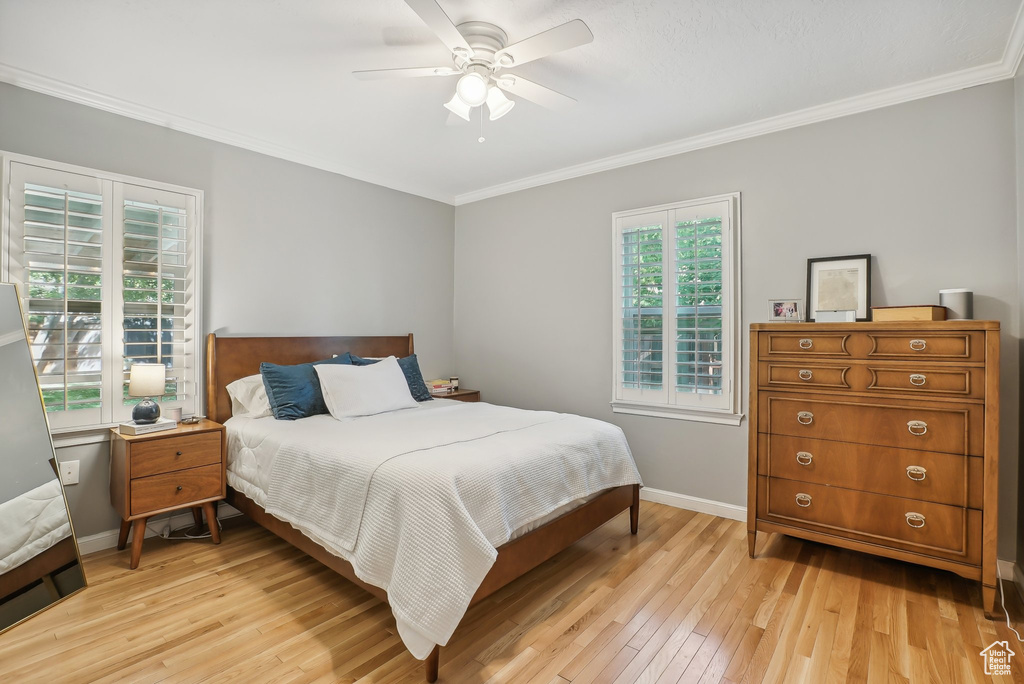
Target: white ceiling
[274,75]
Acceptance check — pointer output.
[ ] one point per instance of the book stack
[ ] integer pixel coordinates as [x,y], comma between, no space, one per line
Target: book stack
[133,428]
[440,387]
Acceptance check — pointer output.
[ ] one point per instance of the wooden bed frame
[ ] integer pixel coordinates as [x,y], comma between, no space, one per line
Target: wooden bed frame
[231,358]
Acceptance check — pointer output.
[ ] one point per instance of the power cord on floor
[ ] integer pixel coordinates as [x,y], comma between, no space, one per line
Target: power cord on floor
[1002,601]
[181,533]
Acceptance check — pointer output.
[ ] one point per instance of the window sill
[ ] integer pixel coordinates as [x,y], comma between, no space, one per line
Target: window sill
[70,437]
[719,417]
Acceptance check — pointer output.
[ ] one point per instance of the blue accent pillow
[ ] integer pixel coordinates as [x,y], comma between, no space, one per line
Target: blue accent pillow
[294,391]
[413,377]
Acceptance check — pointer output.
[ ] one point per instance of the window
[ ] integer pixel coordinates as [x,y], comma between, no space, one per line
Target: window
[676,310]
[107,268]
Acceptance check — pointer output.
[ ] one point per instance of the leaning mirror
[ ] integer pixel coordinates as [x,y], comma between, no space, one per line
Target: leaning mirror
[39,560]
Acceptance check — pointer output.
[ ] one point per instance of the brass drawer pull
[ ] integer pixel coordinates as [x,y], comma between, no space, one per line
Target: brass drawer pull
[806,343]
[918,345]
[805,417]
[916,473]
[917,379]
[806,374]
[804,458]
[803,500]
[917,427]
[915,519]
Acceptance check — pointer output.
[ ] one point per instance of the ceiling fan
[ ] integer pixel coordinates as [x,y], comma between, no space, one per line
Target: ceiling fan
[479,54]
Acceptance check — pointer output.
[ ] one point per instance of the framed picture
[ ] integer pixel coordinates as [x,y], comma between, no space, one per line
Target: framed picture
[786,310]
[839,284]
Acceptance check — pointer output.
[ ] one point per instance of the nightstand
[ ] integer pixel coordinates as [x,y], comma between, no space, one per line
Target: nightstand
[166,471]
[462,395]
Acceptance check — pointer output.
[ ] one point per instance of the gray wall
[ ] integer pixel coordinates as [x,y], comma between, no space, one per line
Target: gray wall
[926,187]
[288,249]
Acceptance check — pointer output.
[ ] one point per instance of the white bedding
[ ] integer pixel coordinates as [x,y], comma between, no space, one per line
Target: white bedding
[31,523]
[490,471]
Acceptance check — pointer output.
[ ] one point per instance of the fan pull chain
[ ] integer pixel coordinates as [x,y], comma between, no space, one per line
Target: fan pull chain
[481,138]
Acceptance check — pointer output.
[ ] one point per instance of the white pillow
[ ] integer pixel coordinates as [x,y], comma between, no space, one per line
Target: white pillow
[364,390]
[249,397]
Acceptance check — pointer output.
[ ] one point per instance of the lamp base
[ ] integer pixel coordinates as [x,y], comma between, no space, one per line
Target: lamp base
[145,412]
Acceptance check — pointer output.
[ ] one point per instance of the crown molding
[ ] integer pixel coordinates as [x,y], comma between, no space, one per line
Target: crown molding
[67,91]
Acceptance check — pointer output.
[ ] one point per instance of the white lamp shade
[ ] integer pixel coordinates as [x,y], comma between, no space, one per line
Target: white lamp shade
[472,89]
[147,380]
[498,104]
[458,107]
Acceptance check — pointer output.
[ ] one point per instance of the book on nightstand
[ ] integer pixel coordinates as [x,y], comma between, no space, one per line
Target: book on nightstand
[133,428]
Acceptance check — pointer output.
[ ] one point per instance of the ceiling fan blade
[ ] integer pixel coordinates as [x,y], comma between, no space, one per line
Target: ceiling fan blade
[412,72]
[536,93]
[438,22]
[570,35]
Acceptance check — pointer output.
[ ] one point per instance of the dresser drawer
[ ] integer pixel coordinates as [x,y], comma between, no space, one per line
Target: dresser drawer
[180,488]
[949,346]
[956,429]
[950,479]
[920,526]
[804,344]
[928,380]
[787,376]
[176,453]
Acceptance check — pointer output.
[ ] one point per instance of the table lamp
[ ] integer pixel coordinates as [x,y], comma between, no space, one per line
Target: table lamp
[147,380]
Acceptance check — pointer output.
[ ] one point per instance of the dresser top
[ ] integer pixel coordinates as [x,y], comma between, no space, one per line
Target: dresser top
[896,326]
[183,429]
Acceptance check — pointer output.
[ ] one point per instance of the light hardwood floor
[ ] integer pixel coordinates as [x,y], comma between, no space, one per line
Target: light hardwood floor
[680,602]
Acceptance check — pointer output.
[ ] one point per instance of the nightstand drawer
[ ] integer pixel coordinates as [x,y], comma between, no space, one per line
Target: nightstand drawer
[175,453]
[180,488]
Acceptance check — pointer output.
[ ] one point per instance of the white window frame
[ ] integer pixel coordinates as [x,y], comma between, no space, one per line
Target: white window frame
[114,412]
[667,403]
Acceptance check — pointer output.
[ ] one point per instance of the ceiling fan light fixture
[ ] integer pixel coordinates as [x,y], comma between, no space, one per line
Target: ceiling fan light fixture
[472,89]
[498,104]
[458,107]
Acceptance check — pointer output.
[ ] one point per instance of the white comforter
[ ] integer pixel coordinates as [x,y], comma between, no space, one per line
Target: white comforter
[31,523]
[417,500]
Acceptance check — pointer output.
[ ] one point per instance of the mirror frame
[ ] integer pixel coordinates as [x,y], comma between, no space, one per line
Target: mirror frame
[53,451]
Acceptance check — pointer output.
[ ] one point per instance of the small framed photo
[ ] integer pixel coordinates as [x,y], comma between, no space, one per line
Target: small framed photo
[786,310]
[839,284]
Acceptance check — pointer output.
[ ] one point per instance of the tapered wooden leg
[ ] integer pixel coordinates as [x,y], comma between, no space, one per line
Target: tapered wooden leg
[432,664]
[634,511]
[751,542]
[197,517]
[988,601]
[211,520]
[138,534]
[122,535]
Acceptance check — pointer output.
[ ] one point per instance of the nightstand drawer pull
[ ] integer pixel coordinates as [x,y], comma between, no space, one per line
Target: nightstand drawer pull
[806,343]
[915,519]
[917,427]
[918,345]
[179,488]
[177,453]
[804,458]
[806,374]
[805,417]
[916,473]
[803,500]
[917,379]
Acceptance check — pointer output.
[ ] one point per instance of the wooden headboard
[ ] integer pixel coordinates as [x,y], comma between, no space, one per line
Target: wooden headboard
[231,358]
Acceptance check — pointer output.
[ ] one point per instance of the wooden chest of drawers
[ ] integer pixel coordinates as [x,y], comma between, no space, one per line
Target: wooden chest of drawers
[879,437]
[166,471]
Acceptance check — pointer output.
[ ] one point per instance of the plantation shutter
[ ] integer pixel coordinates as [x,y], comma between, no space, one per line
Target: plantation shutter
[56,256]
[158,255]
[642,320]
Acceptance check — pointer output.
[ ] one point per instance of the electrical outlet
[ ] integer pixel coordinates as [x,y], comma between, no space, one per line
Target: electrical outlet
[69,472]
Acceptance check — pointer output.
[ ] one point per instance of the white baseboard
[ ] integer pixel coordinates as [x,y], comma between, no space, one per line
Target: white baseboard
[108,540]
[694,503]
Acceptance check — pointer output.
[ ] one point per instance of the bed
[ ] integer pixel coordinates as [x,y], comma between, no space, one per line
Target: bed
[435,442]
[35,539]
